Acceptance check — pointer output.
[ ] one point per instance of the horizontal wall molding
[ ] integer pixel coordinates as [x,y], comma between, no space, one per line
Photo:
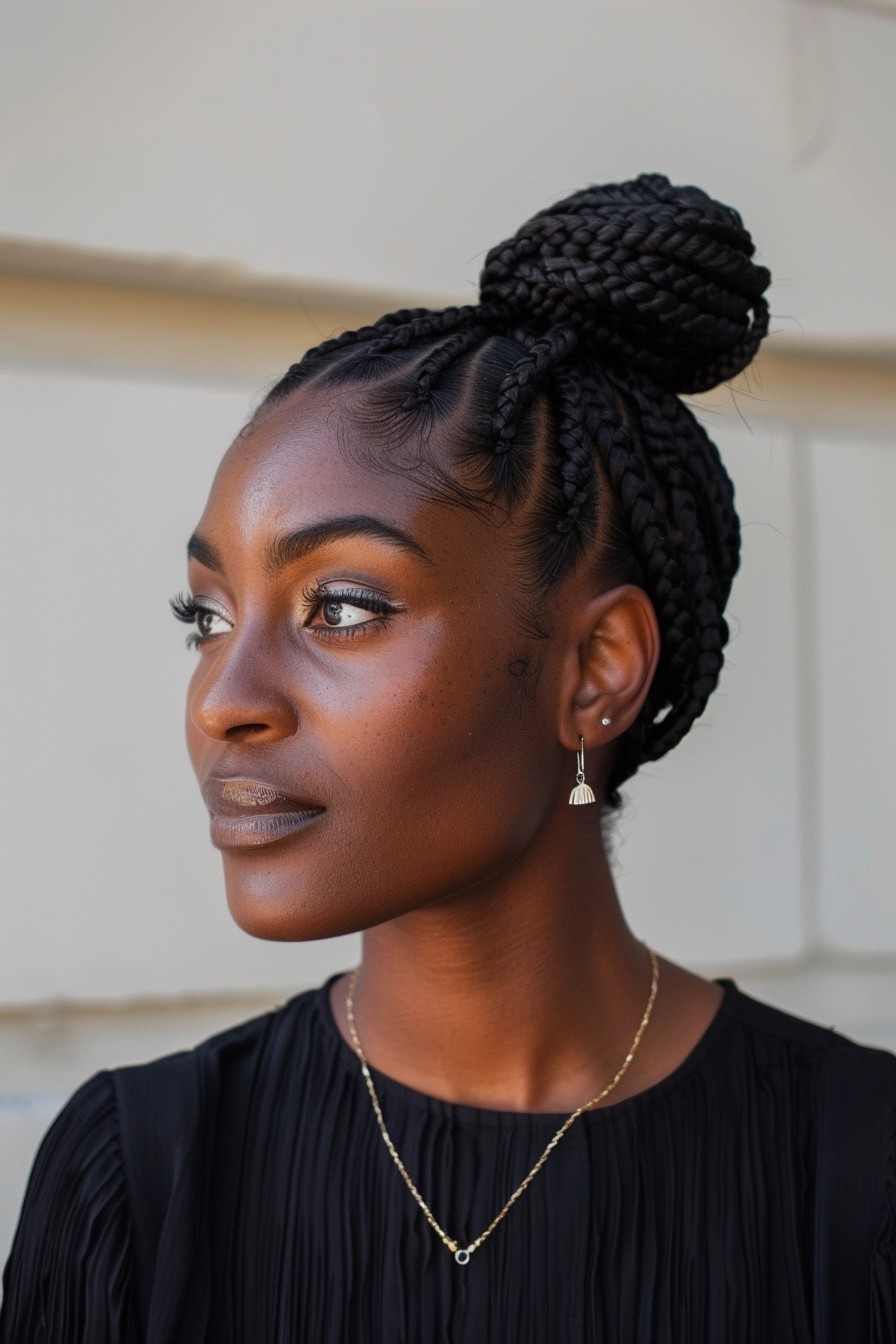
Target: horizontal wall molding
[85,1015]
[885,7]
[210,323]
[188,275]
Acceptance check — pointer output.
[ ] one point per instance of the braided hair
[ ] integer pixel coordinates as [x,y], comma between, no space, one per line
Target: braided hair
[593,316]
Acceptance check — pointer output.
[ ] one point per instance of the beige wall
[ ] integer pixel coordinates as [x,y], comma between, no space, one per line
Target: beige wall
[189,196]
[391,143]
[759,848]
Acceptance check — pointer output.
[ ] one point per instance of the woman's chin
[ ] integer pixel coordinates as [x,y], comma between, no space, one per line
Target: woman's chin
[287,917]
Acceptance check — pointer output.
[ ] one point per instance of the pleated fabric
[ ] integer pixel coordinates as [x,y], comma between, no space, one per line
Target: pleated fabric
[241,1193]
[71,1260]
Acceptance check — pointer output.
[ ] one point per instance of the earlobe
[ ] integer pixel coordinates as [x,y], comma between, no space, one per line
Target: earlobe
[612,667]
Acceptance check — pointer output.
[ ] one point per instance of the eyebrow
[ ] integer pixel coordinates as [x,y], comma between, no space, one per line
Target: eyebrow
[203,551]
[293,546]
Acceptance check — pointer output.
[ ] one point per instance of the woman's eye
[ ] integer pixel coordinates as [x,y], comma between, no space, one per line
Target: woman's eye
[207,617]
[344,612]
[210,622]
[338,613]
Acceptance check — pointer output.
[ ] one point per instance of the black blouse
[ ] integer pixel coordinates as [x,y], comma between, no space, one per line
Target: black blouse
[241,1191]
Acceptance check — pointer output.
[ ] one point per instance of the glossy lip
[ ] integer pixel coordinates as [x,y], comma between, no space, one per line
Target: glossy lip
[249,812]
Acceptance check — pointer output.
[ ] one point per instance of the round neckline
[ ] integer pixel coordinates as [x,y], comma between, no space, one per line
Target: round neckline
[461,1112]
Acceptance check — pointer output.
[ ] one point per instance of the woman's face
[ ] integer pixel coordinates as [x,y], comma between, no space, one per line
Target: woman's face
[359,719]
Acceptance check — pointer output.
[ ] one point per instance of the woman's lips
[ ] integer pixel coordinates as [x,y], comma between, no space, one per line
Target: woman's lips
[248,792]
[249,812]
[240,832]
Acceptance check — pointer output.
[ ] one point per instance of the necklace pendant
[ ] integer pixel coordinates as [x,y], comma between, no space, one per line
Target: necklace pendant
[462,1256]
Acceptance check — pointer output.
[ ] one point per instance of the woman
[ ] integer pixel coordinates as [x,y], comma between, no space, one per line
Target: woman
[462,570]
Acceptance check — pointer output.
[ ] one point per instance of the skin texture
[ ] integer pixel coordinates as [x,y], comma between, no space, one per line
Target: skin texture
[438,738]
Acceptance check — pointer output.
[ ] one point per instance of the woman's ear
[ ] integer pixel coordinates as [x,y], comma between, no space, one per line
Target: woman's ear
[615,647]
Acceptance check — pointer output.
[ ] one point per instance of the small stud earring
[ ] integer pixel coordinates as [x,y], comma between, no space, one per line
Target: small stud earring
[605,722]
[581,793]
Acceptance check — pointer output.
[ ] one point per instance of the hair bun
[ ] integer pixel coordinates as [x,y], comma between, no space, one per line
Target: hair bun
[658,277]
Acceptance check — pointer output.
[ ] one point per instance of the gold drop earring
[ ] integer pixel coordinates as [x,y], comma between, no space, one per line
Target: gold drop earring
[582,793]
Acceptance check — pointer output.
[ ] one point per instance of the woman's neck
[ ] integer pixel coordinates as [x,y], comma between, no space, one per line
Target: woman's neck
[522,996]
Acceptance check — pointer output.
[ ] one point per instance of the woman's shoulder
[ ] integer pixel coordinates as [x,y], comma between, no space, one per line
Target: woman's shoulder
[113,1125]
[173,1085]
[780,1030]
[840,1075]
[849,1090]
[134,1139]
[69,1258]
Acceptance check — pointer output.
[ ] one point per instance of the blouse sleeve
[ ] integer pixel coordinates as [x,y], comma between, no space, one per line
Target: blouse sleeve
[883,1267]
[68,1279]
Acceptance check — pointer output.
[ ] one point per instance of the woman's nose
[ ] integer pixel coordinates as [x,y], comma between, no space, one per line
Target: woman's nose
[236,694]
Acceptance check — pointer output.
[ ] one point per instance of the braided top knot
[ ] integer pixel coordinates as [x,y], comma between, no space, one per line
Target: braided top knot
[651,276]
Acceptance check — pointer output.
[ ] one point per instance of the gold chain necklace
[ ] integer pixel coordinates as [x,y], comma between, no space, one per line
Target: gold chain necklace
[462,1253]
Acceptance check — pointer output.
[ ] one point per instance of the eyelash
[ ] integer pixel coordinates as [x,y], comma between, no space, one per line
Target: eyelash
[187,609]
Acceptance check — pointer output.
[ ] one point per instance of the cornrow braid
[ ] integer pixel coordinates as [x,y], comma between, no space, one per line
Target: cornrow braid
[519,388]
[422,326]
[441,358]
[516,396]
[601,309]
[576,516]
[392,331]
